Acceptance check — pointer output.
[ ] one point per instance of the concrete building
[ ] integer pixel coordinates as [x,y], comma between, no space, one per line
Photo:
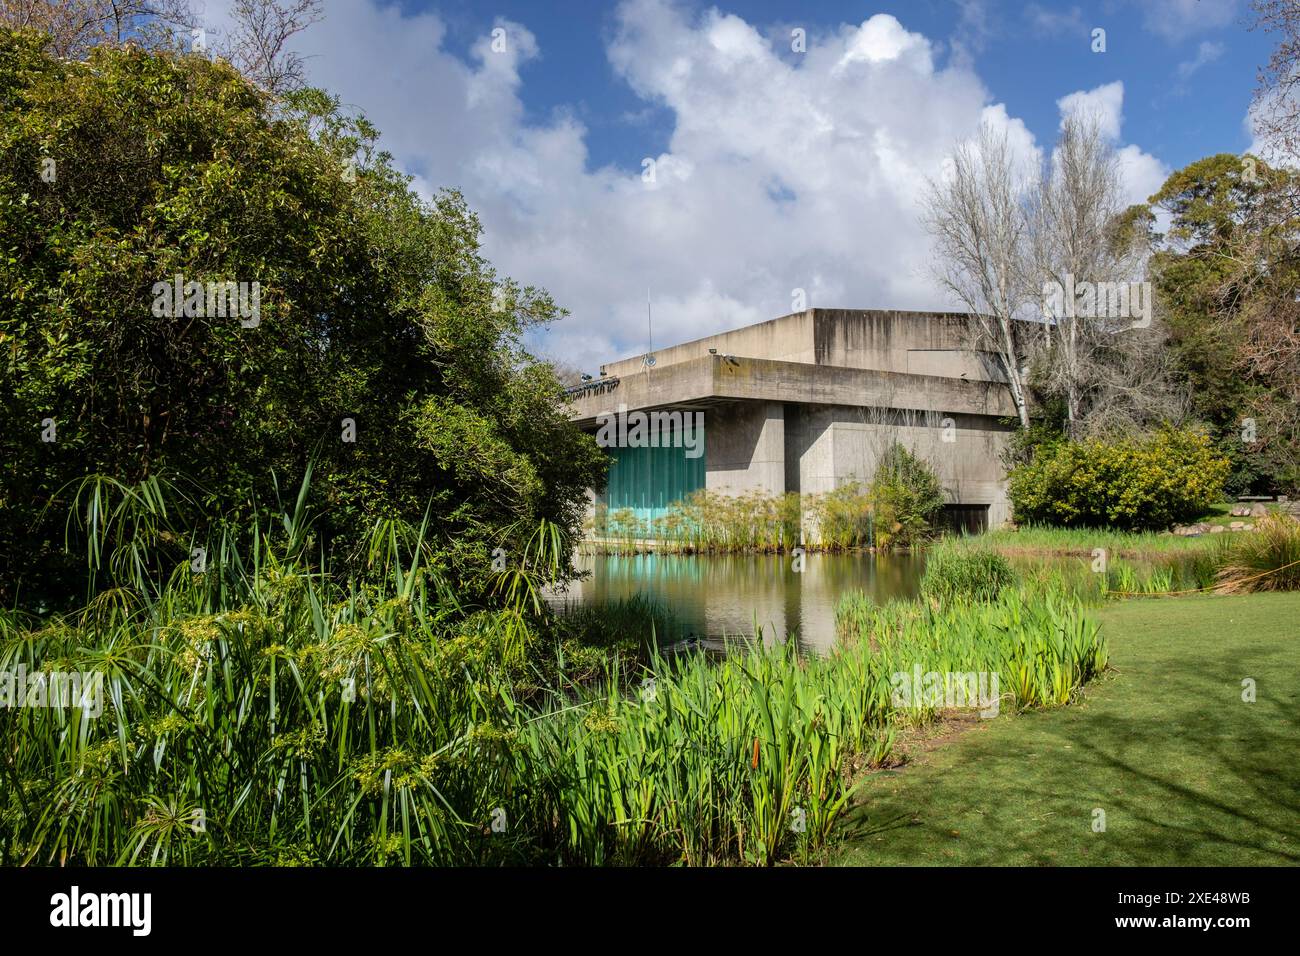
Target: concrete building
[806,403]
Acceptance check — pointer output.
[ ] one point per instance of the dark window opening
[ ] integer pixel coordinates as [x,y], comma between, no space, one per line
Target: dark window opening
[966,519]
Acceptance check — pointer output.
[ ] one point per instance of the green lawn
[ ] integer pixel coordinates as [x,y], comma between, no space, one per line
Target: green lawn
[1186,773]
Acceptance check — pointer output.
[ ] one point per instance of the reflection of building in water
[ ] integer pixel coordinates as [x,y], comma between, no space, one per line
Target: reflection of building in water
[807,403]
[728,596]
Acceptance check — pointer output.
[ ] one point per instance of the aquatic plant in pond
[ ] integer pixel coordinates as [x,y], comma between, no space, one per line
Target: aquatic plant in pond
[961,573]
[305,722]
[260,710]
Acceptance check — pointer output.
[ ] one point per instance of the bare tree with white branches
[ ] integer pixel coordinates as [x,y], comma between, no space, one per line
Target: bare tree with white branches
[258,43]
[975,215]
[1075,248]
[77,26]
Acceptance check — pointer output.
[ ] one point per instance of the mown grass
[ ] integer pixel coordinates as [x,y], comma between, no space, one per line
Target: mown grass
[1186,772]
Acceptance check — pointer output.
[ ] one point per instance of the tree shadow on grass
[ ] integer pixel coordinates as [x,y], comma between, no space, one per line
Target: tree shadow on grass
[1157,812]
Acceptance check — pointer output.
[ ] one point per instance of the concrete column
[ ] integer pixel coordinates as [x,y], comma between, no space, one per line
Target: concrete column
[745,448]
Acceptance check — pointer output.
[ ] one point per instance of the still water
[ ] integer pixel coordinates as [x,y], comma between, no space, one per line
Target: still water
[734,595]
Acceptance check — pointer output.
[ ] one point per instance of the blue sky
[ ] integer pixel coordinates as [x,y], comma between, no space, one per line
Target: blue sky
[777,173]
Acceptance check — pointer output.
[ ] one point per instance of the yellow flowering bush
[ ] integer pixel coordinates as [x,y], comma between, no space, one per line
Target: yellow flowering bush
[1143,483]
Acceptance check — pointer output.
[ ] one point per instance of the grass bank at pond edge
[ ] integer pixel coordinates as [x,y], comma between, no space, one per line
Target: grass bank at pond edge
[1185,771]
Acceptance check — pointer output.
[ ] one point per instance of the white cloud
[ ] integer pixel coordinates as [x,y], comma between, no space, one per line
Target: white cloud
[1140,173]
[972,32]
[1104,103]
[1055,22]
[1206,53]
[1176,20]
[1259,142]
[781,172]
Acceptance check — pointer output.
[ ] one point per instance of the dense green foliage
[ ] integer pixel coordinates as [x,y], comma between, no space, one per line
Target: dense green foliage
[1223,273]
[906,497]
[1145,482]
[374,306]
[264,713]
[954,573]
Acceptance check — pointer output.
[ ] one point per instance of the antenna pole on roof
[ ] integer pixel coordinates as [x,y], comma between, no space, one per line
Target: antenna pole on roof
[650,333]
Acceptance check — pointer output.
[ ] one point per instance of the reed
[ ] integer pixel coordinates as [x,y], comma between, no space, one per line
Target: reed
[1267,560]
[852,517]
[266,711]
[955,573]
[1040,642]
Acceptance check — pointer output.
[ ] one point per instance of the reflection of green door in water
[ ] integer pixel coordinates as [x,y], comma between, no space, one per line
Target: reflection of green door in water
[647,480]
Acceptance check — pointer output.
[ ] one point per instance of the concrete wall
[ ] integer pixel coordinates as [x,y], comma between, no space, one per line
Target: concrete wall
[924,343]
[714,379]
[744,447]
[915,342]
[809,401]
[829,446]
[788,339]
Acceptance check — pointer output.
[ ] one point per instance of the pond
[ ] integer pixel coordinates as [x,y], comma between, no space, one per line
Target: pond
[712,597]
[717,596]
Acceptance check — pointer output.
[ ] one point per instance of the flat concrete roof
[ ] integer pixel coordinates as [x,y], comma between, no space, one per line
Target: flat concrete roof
[855,357]
[706,381]
[857,338]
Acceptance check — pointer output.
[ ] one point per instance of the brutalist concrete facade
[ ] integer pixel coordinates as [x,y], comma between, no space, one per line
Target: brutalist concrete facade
[809,401]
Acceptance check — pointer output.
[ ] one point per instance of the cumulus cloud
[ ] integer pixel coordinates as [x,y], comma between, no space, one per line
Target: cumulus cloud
[781,172]
[1104,103]
[1140,173]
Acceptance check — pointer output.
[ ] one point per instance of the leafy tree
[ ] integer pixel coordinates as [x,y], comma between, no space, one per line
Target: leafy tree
[1225,274]
[130,169]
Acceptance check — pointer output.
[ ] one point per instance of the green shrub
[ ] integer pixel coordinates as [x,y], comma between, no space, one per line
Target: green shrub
[907,498]
[961,574]
[898,508]
[1149,482]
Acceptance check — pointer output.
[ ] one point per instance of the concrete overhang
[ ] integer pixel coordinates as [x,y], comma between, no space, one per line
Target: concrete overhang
[714,379]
